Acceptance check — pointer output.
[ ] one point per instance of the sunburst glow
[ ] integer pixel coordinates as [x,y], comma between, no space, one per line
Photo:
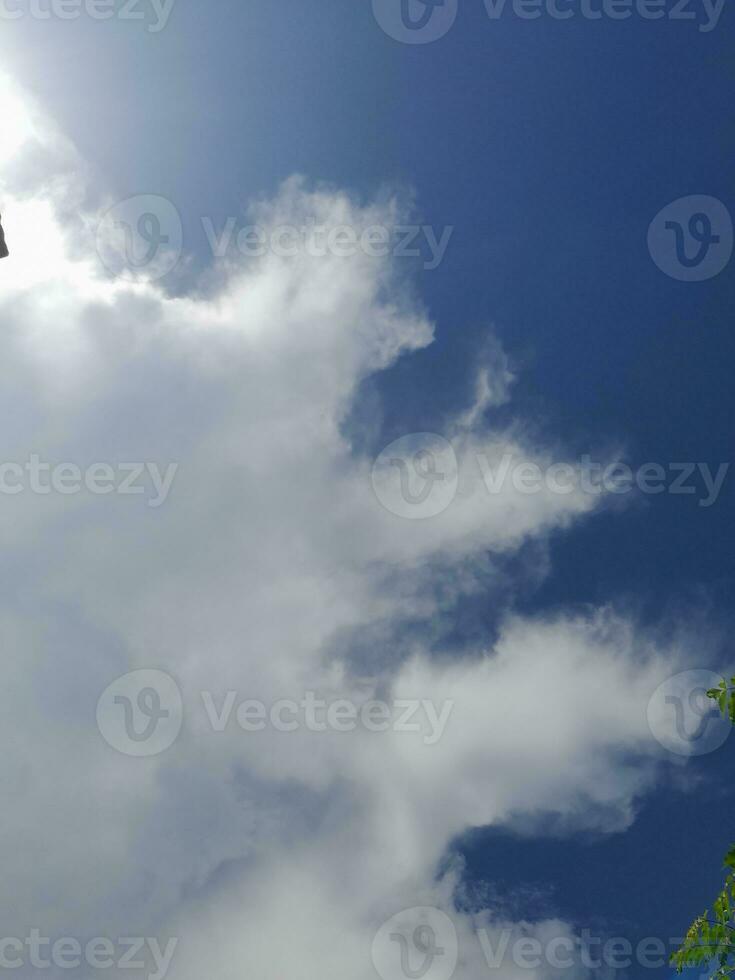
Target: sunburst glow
[16,127]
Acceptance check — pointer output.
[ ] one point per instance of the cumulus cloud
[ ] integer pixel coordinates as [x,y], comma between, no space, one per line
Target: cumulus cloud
[276,852]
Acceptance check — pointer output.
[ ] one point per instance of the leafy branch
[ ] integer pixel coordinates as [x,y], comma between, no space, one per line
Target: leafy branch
[709,938]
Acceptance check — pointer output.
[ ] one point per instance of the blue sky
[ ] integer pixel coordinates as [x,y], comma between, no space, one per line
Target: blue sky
[549,147]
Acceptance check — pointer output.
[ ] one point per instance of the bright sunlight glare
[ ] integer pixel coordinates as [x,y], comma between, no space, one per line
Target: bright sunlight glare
[16,127]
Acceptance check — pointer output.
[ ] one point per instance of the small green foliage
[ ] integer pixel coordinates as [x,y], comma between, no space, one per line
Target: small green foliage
[711,937]
[724,695]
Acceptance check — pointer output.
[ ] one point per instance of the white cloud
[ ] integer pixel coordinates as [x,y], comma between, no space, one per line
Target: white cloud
[276,853]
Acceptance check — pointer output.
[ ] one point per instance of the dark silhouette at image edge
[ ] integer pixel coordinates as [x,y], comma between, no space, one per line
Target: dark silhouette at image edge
[4,253]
